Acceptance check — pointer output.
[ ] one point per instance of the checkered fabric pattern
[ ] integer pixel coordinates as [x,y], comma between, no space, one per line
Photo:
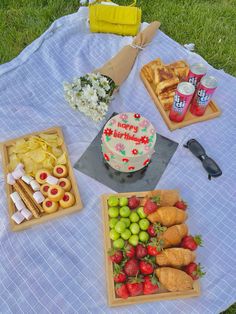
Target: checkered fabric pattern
[58,267]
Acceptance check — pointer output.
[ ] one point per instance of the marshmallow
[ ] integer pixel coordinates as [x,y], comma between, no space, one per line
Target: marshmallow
[19,166]
[27,179]
[19,205]
[51,180]
[35,186]
[38,196]
[15,197]
[26,213]
[17,217]
[18,173]
[10,179]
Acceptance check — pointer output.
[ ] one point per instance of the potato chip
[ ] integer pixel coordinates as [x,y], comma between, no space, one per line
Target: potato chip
[62,159]
[37,152]
[57,152]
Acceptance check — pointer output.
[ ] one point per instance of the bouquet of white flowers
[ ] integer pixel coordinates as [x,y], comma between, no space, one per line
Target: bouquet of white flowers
[92,93]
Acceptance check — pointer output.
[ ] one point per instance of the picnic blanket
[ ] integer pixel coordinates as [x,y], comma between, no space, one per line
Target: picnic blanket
[58,267]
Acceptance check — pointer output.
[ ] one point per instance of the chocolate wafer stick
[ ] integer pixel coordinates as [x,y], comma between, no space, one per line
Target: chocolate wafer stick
[25,199]
[29,192]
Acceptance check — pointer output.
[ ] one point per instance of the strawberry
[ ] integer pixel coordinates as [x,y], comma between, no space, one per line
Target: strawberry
[154,247]
[133,202]
[146,266]
[191,243]
[155,229]
[181,205]
[151,205]
[151,285]
[122,291]
[141,251]
[129,251]
[131,267]
[116,256]
[194,270]
[135,286]
[119,275]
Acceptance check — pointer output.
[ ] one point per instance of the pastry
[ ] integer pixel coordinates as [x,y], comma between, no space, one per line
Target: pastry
[175,257]
[44,189]
[65,184]
[29,194]
[128,142]
[55,193]
[168,216]
[60,171]
[49,206]
[174,279]
[28,202]
[166,85]
[41,176]
[68,200]
[173,235]
[167,197]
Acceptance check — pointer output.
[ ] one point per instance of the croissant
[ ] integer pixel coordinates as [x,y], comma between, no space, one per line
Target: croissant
[175,257]
[174,279]
[167,197]
[168,216]
[173,235]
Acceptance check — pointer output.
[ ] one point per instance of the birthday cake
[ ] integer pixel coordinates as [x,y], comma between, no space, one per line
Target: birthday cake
[128,142]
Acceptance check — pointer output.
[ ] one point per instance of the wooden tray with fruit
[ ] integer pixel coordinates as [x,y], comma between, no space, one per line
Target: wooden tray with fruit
[40,182]
[161,81]
[149,254]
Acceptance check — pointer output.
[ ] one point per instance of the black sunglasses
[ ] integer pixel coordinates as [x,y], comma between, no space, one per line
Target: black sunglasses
[208,163]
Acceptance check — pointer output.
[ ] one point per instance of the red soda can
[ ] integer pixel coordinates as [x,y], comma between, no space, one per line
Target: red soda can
[196,72]
[204,92]
[182,99]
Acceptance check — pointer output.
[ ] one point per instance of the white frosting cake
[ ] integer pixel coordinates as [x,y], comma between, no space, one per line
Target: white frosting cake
[128,142]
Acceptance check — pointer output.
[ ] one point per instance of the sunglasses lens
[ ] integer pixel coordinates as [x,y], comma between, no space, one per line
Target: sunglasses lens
[211,167]
[196,148]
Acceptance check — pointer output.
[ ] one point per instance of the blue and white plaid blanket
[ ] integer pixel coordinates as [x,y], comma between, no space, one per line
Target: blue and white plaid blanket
[58,267]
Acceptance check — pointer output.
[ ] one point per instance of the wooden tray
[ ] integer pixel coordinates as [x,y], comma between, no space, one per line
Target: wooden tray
[163,294]
[9,189]
[212,110]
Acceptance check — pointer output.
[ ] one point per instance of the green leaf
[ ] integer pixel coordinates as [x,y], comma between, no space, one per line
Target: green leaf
[123,152]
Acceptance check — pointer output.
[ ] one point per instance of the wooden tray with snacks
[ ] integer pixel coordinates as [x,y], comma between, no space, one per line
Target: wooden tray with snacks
[155,72]
[173,280]
[40,182]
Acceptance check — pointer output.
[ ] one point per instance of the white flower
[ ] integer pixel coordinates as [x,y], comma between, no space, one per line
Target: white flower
[87,99]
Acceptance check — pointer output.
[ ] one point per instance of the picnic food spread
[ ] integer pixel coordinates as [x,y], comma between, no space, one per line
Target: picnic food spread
[148,247]
[39,182]
[128,142]
[182,92]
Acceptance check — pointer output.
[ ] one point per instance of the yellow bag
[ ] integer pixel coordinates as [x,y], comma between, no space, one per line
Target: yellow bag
[119,20]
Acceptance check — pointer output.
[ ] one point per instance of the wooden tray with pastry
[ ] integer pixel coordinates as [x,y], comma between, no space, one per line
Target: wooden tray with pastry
[40,182]
[161,81]
[149,254]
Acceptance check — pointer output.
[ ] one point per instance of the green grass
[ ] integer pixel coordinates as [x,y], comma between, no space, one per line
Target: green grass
[210,24]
